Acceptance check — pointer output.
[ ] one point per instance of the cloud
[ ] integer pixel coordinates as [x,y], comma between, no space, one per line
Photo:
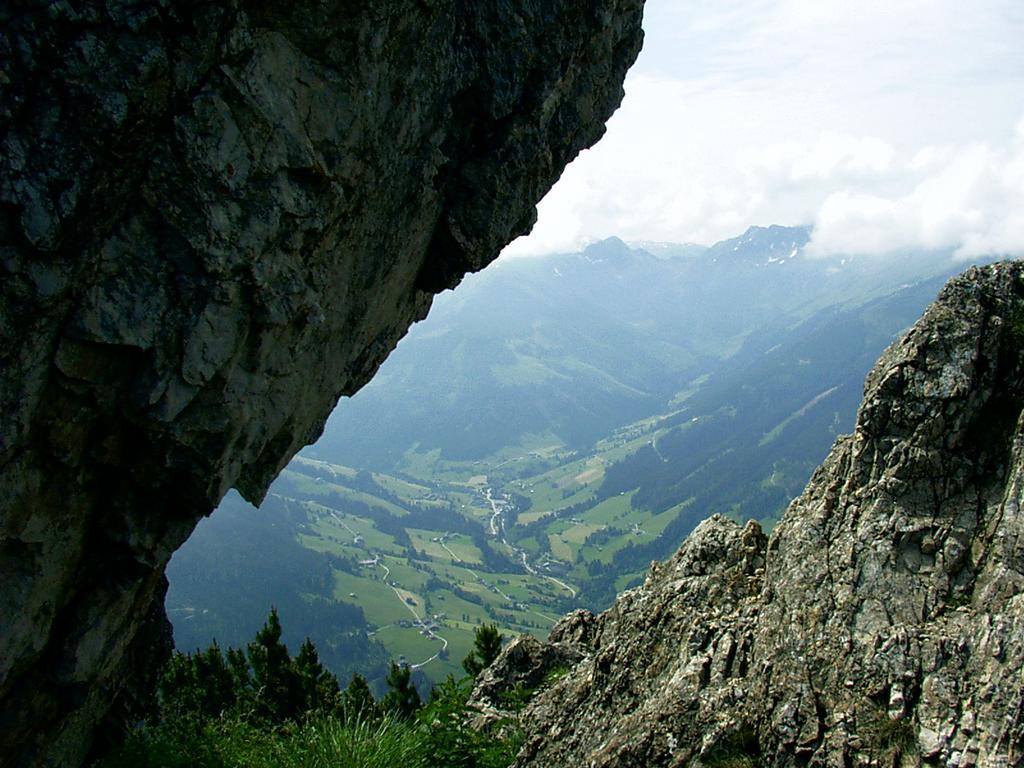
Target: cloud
[835,154]
[968,199]
[885,124]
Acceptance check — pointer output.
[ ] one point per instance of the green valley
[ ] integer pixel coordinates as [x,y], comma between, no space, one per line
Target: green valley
[540,439]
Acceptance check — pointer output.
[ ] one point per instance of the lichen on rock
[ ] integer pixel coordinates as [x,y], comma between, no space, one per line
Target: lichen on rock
[215,219]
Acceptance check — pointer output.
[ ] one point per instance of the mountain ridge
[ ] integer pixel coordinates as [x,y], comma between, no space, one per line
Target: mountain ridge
[882,622]
[739,436]
[595,346]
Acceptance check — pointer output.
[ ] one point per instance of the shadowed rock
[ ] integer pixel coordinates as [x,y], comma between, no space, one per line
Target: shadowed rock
[215,219]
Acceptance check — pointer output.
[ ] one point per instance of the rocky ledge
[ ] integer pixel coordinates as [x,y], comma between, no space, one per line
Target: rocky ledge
[215,219]
[881,623]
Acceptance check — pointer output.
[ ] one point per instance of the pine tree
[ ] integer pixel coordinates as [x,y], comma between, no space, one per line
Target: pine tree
[318,688]
[277,690]
[197,685]
[241,675]
[487,642]
[264,682]
[177,688]
[402,698]
[215,682]
[357,702]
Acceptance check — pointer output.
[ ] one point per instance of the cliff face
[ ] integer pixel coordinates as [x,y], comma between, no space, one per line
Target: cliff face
[215,219]
[881,623]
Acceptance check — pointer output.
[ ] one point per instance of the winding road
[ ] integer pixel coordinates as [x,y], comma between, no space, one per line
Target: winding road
[497,526]
[496,521]
[455,557]
[420,622]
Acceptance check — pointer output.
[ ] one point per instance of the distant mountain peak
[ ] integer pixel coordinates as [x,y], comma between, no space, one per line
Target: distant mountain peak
[667,250]
[775,230]
[775,240]
[774,244]
[774,234]
[604,250]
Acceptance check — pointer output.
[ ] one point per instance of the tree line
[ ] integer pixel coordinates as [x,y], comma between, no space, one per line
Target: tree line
[265,683]
[262,707]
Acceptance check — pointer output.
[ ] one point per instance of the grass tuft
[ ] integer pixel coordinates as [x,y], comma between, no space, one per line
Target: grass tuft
[320,743]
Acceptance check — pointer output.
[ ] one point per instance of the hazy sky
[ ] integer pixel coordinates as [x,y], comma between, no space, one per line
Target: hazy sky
[886,124]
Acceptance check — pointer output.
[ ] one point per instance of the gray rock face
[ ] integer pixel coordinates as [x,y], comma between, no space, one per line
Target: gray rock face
[524,666]
[882,623]
[215,219]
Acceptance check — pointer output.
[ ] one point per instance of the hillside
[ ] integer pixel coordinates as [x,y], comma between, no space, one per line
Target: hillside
[880,623]
[572,346]
[428,546]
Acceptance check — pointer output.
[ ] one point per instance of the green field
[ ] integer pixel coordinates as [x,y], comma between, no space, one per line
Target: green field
[445,582]
[417,554]
[455,579]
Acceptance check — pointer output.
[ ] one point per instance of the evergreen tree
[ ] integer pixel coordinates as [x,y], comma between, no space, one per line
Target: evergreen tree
[453,741]
[241,675]
[487,642]
[211,700]
[402,698]
[357,702]
[215,681]
[197,685]
[277,692]
[177,688]
[318,688]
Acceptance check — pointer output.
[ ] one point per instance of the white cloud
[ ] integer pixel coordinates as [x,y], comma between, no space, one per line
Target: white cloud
[835,153]
[969,199]
[880,122]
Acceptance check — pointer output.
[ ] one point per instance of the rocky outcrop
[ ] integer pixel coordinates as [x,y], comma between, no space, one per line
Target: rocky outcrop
[215,219]
[525,666]
[881,623]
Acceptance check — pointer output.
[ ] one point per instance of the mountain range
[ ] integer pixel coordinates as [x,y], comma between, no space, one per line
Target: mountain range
[554,425]
[574,345]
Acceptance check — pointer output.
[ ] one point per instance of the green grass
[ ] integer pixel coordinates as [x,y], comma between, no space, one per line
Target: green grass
[237,744]
[309,488]
[655,525]
[423,541]
[683,395]
[560,548]
[778,429]
[377,599]
[545,494]
[618,448]
[327,468]
[577,532]
[401,488]
[628,581]
[541,469]
[328,529]
[611,510]
[455,607]
[404,575]
[460,643]
[525,371]
[532,515]
[422,464]
[409,643]
[463,548]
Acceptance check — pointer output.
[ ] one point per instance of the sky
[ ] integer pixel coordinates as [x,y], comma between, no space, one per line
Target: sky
[886,125]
